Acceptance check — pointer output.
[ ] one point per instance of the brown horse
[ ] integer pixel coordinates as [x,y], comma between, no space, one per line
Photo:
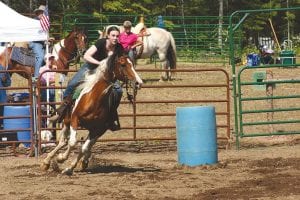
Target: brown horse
[92,109]
[65,51]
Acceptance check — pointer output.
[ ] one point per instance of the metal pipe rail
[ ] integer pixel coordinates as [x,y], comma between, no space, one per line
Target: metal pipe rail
[7,135]
[153,104]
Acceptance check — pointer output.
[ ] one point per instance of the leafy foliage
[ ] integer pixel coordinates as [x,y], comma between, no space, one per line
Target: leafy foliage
[255,26]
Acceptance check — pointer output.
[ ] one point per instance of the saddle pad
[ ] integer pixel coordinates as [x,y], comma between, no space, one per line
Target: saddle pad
[22,56]
[76,93]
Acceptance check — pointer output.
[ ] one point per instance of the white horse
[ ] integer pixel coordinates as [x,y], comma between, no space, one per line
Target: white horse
[155,40]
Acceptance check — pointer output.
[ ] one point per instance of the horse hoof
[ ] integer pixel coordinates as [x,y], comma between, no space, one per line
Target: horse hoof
[44,166]
[163,79]
[83,165]
[60,158]
[55,167]
[67,172]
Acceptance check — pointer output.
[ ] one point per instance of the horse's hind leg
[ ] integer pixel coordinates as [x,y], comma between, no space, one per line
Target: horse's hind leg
[164,65]
[62,142]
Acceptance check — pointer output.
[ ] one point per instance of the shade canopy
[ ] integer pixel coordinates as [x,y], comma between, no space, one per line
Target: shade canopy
[15,27]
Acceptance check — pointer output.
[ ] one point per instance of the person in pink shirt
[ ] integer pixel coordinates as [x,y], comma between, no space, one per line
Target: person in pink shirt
[129,40]
[48,77]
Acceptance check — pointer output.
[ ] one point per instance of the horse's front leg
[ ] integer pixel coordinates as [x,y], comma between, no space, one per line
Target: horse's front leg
[87,154]
[71,144]
[62,142]
[83,151]
[87,149]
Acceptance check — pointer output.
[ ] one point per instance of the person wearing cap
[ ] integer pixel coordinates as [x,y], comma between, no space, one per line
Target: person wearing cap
[38,46]
[48,78]
[266,55]
[129,40]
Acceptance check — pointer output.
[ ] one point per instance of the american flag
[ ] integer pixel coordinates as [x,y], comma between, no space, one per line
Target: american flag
[45,22]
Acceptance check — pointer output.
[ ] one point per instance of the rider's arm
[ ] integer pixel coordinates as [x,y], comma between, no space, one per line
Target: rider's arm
[137,43]
[88,56]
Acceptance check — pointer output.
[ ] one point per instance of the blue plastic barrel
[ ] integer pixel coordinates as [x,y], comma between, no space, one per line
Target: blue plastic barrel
[196,135]
[18,123]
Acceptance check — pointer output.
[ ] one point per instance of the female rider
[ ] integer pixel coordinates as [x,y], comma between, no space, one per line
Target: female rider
[103,48]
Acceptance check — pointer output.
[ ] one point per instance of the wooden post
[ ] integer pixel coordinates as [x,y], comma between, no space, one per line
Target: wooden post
[269,93]
[275,36]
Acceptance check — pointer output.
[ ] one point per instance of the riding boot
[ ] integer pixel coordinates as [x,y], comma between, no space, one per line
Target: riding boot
[114,123]
[62,109]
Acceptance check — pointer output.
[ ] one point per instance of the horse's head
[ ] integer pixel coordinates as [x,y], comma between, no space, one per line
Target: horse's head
[75,41]
[124,71]
[80,40]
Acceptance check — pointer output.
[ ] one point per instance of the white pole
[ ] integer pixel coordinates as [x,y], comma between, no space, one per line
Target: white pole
[47,79]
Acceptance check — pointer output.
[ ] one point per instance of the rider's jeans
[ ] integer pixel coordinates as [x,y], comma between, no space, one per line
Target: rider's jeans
[79,77]
[39,53]
[131,54]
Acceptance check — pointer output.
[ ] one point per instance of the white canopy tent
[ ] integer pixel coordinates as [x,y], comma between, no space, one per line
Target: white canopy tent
[15,27]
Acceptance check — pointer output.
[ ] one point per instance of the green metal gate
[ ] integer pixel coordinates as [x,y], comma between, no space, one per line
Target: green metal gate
[266,97]
[197,38]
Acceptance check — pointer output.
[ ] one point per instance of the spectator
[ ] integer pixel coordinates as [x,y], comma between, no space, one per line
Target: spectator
[160,22]
[38,46]
[48,77]
[129,40]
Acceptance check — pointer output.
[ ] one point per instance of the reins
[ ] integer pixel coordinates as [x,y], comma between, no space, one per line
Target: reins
[130,96]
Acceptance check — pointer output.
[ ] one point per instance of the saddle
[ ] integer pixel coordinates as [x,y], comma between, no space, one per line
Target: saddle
[23,56]
[112,100]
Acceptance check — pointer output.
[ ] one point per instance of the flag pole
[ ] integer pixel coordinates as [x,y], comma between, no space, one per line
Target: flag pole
[47,44]
[47,75]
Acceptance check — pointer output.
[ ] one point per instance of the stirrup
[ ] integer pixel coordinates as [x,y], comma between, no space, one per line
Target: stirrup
[53,118]
[114,126]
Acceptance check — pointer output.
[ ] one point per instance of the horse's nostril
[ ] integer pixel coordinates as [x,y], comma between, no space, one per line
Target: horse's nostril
[138,85]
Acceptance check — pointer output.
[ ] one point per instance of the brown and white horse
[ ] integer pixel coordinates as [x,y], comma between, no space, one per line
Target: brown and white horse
[92,110]
[65,51]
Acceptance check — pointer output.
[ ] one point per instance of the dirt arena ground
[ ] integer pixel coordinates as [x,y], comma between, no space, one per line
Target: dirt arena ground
[262,169]
[150,170]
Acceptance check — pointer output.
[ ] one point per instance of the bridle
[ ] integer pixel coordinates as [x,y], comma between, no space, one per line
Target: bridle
[130,86]
[74,56]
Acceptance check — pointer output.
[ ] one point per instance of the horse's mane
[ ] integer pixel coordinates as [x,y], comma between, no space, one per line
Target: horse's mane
[93,76]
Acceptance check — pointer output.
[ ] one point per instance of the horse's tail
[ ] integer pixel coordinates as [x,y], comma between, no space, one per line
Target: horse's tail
[171,54]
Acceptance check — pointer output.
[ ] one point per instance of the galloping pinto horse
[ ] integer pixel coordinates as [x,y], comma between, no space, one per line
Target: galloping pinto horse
[92,110]
[156,40]
[65,51]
